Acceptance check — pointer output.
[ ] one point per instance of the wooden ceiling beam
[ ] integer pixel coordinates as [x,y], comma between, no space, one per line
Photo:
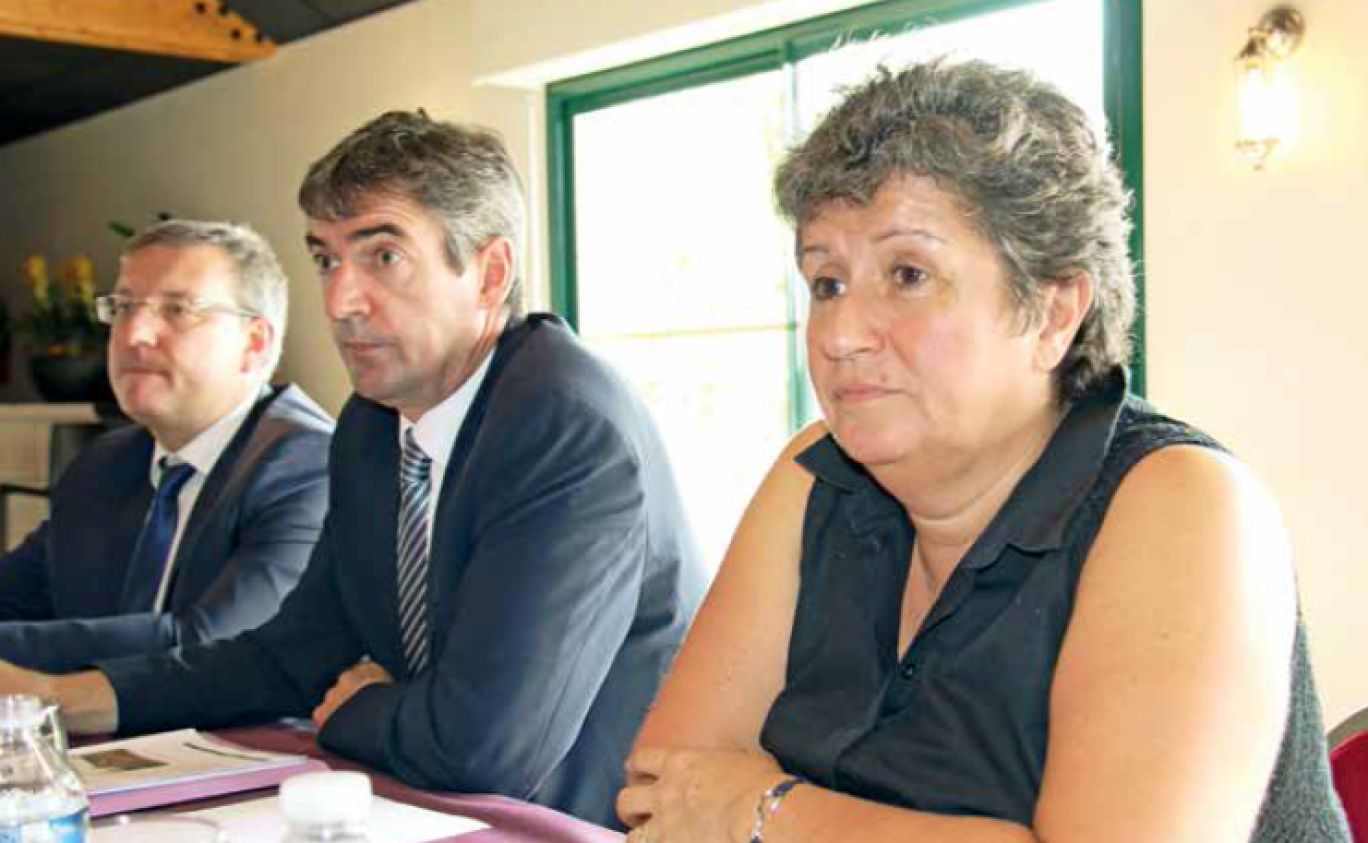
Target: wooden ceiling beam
[197,29]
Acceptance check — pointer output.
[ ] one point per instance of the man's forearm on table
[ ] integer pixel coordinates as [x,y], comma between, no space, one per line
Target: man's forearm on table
[88,702]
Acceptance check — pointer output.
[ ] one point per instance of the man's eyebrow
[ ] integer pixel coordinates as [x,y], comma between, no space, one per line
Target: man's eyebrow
[384,228]
[375,231]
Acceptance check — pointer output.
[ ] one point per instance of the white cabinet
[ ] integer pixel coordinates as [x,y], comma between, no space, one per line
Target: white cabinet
[26,437]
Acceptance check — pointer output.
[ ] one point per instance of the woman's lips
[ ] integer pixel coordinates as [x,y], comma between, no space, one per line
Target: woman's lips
[860,392]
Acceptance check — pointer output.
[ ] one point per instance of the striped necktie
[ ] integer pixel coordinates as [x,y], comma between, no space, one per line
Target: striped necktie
[147,566]
[415,487]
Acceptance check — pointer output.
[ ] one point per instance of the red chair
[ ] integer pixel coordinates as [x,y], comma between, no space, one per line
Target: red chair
[1349,766]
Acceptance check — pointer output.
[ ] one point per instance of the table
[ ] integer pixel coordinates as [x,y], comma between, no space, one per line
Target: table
[510,820]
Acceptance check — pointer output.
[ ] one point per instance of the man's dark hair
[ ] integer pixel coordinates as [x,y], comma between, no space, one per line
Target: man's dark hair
[463,174]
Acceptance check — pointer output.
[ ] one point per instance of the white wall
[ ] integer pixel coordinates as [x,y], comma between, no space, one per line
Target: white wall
[235,146]
[1255,285]
[1257,293]
[568,39]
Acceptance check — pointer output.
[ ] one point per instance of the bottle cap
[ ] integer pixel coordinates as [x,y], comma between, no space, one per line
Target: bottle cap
[21,711]
[326,798]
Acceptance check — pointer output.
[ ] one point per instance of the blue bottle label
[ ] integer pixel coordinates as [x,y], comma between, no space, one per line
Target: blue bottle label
[69,828]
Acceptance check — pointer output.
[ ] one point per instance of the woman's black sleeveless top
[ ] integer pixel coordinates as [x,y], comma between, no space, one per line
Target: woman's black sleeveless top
[959,725]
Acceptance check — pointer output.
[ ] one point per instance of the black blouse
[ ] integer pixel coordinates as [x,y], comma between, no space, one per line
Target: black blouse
[959,724]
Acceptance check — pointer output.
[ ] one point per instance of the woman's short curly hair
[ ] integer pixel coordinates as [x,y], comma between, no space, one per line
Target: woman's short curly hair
[1023,160]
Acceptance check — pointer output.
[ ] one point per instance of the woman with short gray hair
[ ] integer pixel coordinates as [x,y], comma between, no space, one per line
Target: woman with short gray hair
[992,596]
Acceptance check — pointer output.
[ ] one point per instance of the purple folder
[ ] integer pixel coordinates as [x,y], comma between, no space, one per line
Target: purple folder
[172,793]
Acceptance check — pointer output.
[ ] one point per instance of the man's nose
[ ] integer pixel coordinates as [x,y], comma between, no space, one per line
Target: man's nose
[343,293]
[140,327]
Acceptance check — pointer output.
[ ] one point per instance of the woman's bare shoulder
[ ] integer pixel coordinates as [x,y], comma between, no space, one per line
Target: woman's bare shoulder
[787,482]
[1185,612]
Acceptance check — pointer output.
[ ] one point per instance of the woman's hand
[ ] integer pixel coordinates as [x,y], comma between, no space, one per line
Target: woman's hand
[693,796]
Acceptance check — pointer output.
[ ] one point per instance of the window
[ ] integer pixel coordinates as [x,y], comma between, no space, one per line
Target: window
[667,255]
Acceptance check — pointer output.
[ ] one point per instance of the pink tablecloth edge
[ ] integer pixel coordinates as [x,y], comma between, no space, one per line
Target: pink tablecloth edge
[511,820]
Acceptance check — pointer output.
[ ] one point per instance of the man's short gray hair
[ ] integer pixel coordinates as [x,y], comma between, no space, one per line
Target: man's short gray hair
[262,286]
[462,174]
[1023,161]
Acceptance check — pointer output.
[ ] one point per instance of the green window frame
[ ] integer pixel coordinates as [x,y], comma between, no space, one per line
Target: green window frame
[773,49]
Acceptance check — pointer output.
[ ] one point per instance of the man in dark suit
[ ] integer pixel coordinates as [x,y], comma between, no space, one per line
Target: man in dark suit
[505,571]
[195,524]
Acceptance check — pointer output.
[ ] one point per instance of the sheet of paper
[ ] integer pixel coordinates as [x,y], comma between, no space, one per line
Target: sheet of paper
[156,829]
[184,755]
[390,822]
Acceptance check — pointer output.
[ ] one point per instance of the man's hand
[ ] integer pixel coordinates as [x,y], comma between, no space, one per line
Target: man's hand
[353,679]
[17,680]
[86,699]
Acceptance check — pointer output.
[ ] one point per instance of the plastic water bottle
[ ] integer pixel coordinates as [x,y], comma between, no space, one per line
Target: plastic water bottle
[41,799]
[327,806]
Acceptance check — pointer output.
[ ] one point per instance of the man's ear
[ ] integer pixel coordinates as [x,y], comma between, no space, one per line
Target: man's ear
[495,260]
[260,338]
[1065,302]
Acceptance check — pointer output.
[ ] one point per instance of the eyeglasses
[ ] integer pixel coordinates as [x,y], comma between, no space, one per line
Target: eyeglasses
[180,314]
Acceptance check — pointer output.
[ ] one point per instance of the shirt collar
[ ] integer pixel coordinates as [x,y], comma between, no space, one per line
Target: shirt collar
[436,430]
[204,450]
[1044,502]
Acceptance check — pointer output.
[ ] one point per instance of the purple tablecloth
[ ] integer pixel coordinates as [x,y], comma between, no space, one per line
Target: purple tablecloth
[510,820]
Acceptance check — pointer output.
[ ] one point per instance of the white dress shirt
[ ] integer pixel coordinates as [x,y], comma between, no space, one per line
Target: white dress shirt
[436,432]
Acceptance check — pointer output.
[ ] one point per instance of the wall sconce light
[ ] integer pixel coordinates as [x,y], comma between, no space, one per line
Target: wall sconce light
[1268,99]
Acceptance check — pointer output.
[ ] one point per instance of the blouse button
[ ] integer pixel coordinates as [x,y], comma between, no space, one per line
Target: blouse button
[908,670]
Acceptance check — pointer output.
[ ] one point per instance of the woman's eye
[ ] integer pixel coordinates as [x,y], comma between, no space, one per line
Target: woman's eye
[826,287]
[909,276]
[387,257]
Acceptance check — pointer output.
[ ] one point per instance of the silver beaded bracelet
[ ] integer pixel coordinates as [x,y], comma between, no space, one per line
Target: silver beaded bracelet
[768,804]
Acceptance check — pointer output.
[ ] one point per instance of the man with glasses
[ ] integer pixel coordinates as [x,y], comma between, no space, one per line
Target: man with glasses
[196,523]
[506,569]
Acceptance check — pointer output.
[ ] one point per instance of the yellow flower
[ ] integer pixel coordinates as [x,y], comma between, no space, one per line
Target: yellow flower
[36,269]
[79,275]
[84,268]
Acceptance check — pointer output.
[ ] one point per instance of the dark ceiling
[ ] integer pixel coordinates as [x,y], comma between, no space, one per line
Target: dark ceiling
[44,85]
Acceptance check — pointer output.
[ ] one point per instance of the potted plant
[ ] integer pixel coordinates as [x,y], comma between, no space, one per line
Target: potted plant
[65,341]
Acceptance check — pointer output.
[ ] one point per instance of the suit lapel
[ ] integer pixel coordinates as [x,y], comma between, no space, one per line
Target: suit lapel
[366,563]
[190,564]
[129,495]
[449,551]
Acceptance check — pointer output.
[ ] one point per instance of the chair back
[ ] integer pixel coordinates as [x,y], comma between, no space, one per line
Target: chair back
[1349,767]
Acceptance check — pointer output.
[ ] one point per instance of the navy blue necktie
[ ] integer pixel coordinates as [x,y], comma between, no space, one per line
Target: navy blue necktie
[148,564]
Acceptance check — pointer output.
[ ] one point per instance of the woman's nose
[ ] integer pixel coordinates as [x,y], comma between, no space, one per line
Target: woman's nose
[846,326]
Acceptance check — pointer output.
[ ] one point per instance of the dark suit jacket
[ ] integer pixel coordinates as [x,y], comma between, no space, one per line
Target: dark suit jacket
[563,578]
[249,537]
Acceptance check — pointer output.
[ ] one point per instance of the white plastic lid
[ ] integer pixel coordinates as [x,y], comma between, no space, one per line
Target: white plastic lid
[326,798]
